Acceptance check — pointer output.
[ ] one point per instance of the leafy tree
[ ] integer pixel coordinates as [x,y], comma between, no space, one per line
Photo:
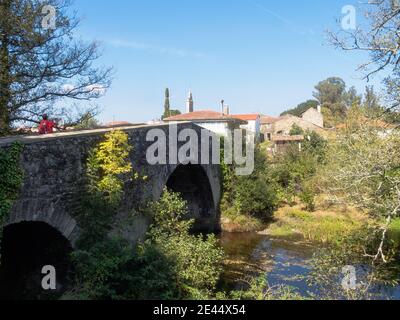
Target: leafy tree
[301,108]
[41,66]
[352,97]
[171,113]
[331,94]
[107,164]
[167,107]
[294,170]
[371,100]
[330,91]
[254,195]
[171,264]
[296,130]
[198,261]
[379,36]
[88,121]
[363,170]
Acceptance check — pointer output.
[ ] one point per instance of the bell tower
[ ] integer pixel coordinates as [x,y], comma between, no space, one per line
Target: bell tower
[190,103]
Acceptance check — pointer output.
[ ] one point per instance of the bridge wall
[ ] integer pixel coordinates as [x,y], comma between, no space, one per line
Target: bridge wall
[54,167]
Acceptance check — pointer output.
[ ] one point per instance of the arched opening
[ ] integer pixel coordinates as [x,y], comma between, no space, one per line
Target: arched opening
[192,183]
[26,248]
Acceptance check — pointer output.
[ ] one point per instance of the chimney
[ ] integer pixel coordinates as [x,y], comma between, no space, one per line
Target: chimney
[226,110]
[189,103]
[319,108]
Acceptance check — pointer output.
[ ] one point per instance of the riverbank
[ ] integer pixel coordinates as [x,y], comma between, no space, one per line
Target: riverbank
[283,251]
[324,225]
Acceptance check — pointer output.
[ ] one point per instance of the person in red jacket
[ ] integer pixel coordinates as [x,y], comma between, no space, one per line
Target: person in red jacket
[46,126]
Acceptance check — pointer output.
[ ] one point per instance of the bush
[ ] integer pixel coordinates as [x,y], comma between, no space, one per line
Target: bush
[171,264]
[198,261]
[255,195]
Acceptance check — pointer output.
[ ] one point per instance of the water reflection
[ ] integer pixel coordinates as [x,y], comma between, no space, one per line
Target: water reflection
[283,261]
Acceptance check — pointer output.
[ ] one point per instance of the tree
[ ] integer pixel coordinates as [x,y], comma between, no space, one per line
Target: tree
[41,65]
[371,100]
[380,37]
[331,94]
[296,130]
[330,91]
[301,108]
[167,107]
[364,171]
[88,121]
[352,97]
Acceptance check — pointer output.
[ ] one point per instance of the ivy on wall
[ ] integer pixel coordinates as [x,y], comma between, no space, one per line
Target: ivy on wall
[11,178]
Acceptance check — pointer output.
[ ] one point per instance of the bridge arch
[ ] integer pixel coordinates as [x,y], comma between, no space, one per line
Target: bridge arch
[42,211]
[196,186]
[26,248]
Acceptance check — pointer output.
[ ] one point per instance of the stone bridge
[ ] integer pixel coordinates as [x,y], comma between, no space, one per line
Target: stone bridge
[54,167]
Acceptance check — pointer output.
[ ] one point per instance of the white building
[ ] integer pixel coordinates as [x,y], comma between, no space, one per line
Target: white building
[211,120]
[253,124]
[220,123]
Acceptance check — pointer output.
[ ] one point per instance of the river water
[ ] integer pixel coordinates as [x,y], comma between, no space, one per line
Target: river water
[282,261]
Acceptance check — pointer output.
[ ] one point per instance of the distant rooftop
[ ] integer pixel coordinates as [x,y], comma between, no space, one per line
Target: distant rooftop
[268,119]
[287,138]
[117,124]
[205,115]
[246,117]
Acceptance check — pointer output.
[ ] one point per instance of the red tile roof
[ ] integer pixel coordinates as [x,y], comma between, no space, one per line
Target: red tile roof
[246,117]
[268,120]
[118,124]
[201,115]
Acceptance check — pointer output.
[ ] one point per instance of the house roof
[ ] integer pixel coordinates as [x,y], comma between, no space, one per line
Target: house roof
[246,117]
[268,119]
[205,115]
[117,124]
[280,138]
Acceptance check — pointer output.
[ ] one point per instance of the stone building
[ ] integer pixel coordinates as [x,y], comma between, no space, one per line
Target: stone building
[314,116]
[311,120]
[282,143]
[277,130]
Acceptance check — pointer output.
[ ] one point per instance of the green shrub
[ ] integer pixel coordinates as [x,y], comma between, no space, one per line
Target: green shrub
[11,178]
[198,261]
[170,264]
[394,232]
[253,196]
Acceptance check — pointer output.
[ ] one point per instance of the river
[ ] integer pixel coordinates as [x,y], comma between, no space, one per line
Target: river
[282,261]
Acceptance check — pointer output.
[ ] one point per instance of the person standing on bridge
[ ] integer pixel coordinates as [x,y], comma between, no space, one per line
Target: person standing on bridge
[46,126]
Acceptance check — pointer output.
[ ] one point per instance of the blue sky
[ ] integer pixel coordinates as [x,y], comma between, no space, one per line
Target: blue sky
[258,55]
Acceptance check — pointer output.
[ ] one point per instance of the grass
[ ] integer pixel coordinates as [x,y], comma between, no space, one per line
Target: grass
[232,222]
[394,232]
[325,227]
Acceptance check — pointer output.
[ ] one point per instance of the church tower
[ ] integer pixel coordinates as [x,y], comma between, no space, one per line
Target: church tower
[189,103]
